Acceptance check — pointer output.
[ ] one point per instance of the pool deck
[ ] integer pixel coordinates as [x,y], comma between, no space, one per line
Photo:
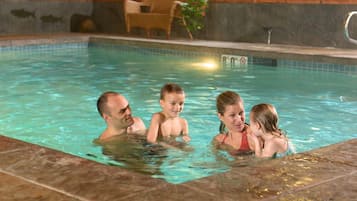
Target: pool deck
[31,172]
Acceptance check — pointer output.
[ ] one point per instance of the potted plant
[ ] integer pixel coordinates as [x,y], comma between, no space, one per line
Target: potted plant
[194,12]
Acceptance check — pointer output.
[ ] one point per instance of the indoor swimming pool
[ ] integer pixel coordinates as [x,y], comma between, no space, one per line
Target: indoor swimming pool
[49,93]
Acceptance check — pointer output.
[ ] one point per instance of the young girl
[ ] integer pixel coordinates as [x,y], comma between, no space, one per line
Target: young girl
[167,123]
[233,133]
[264,124]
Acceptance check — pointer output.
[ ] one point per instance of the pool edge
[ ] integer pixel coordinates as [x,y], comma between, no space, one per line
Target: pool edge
[276,51]
[322,174]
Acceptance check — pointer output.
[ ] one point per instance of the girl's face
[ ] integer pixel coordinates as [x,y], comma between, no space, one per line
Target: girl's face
[254,126]
[172,104]
[233,117]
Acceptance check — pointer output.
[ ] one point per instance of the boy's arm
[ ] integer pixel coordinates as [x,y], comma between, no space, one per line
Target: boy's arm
[185,136]
[153,128]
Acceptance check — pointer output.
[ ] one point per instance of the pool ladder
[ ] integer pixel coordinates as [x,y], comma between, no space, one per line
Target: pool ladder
[347,35]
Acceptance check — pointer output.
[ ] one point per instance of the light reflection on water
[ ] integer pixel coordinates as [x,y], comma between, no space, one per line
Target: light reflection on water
[49,97]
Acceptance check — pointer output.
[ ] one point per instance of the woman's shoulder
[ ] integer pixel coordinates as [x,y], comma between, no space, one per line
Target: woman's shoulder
[219,137]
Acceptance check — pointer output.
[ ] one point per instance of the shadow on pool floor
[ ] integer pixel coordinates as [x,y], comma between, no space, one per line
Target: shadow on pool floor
[31,172]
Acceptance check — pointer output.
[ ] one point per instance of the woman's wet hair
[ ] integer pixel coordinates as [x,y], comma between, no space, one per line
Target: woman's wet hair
[222,101]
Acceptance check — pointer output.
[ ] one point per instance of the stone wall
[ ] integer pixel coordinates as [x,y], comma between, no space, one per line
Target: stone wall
[312,24]
[41,16]
[109,16]
[296,24]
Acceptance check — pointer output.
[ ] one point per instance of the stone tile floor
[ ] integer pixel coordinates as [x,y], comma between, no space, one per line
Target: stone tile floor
[30,172]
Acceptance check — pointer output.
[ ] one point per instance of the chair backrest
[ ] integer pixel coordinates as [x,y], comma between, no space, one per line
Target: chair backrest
[131,7]
[163,6]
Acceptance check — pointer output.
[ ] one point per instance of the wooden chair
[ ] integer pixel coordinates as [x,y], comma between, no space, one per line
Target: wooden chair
[160,15]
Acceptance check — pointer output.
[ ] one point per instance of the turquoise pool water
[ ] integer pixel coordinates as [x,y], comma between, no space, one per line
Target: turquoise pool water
[48,97]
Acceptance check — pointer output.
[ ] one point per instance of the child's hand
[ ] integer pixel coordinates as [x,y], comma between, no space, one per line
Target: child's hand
[254,137]
[186,138]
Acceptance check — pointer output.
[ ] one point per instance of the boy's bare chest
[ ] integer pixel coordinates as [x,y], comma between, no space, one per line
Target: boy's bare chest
[171,127]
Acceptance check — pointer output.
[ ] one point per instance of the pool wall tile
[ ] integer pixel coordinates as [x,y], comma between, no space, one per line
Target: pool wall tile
[317,66]
[49,45]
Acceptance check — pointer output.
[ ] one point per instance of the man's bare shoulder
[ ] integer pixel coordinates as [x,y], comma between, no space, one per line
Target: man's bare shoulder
[106,134]
[138,127]
[110,140]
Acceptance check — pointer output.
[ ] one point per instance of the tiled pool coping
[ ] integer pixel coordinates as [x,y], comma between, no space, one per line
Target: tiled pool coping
[31,172]
[310,58]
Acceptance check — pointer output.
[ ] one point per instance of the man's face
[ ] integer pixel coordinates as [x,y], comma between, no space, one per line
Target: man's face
[119,112]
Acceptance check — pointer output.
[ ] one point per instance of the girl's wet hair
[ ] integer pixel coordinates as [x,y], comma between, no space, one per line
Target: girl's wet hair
[222,101]
[265,114]
[170,88]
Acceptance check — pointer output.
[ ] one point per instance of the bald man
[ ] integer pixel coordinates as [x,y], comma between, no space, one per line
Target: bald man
[116,112]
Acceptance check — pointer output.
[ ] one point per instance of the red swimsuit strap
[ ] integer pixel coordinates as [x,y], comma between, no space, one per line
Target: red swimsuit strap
[244,146]
[224,138]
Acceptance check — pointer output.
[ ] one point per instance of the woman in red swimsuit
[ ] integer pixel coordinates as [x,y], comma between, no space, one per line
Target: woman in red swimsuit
[234,132]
